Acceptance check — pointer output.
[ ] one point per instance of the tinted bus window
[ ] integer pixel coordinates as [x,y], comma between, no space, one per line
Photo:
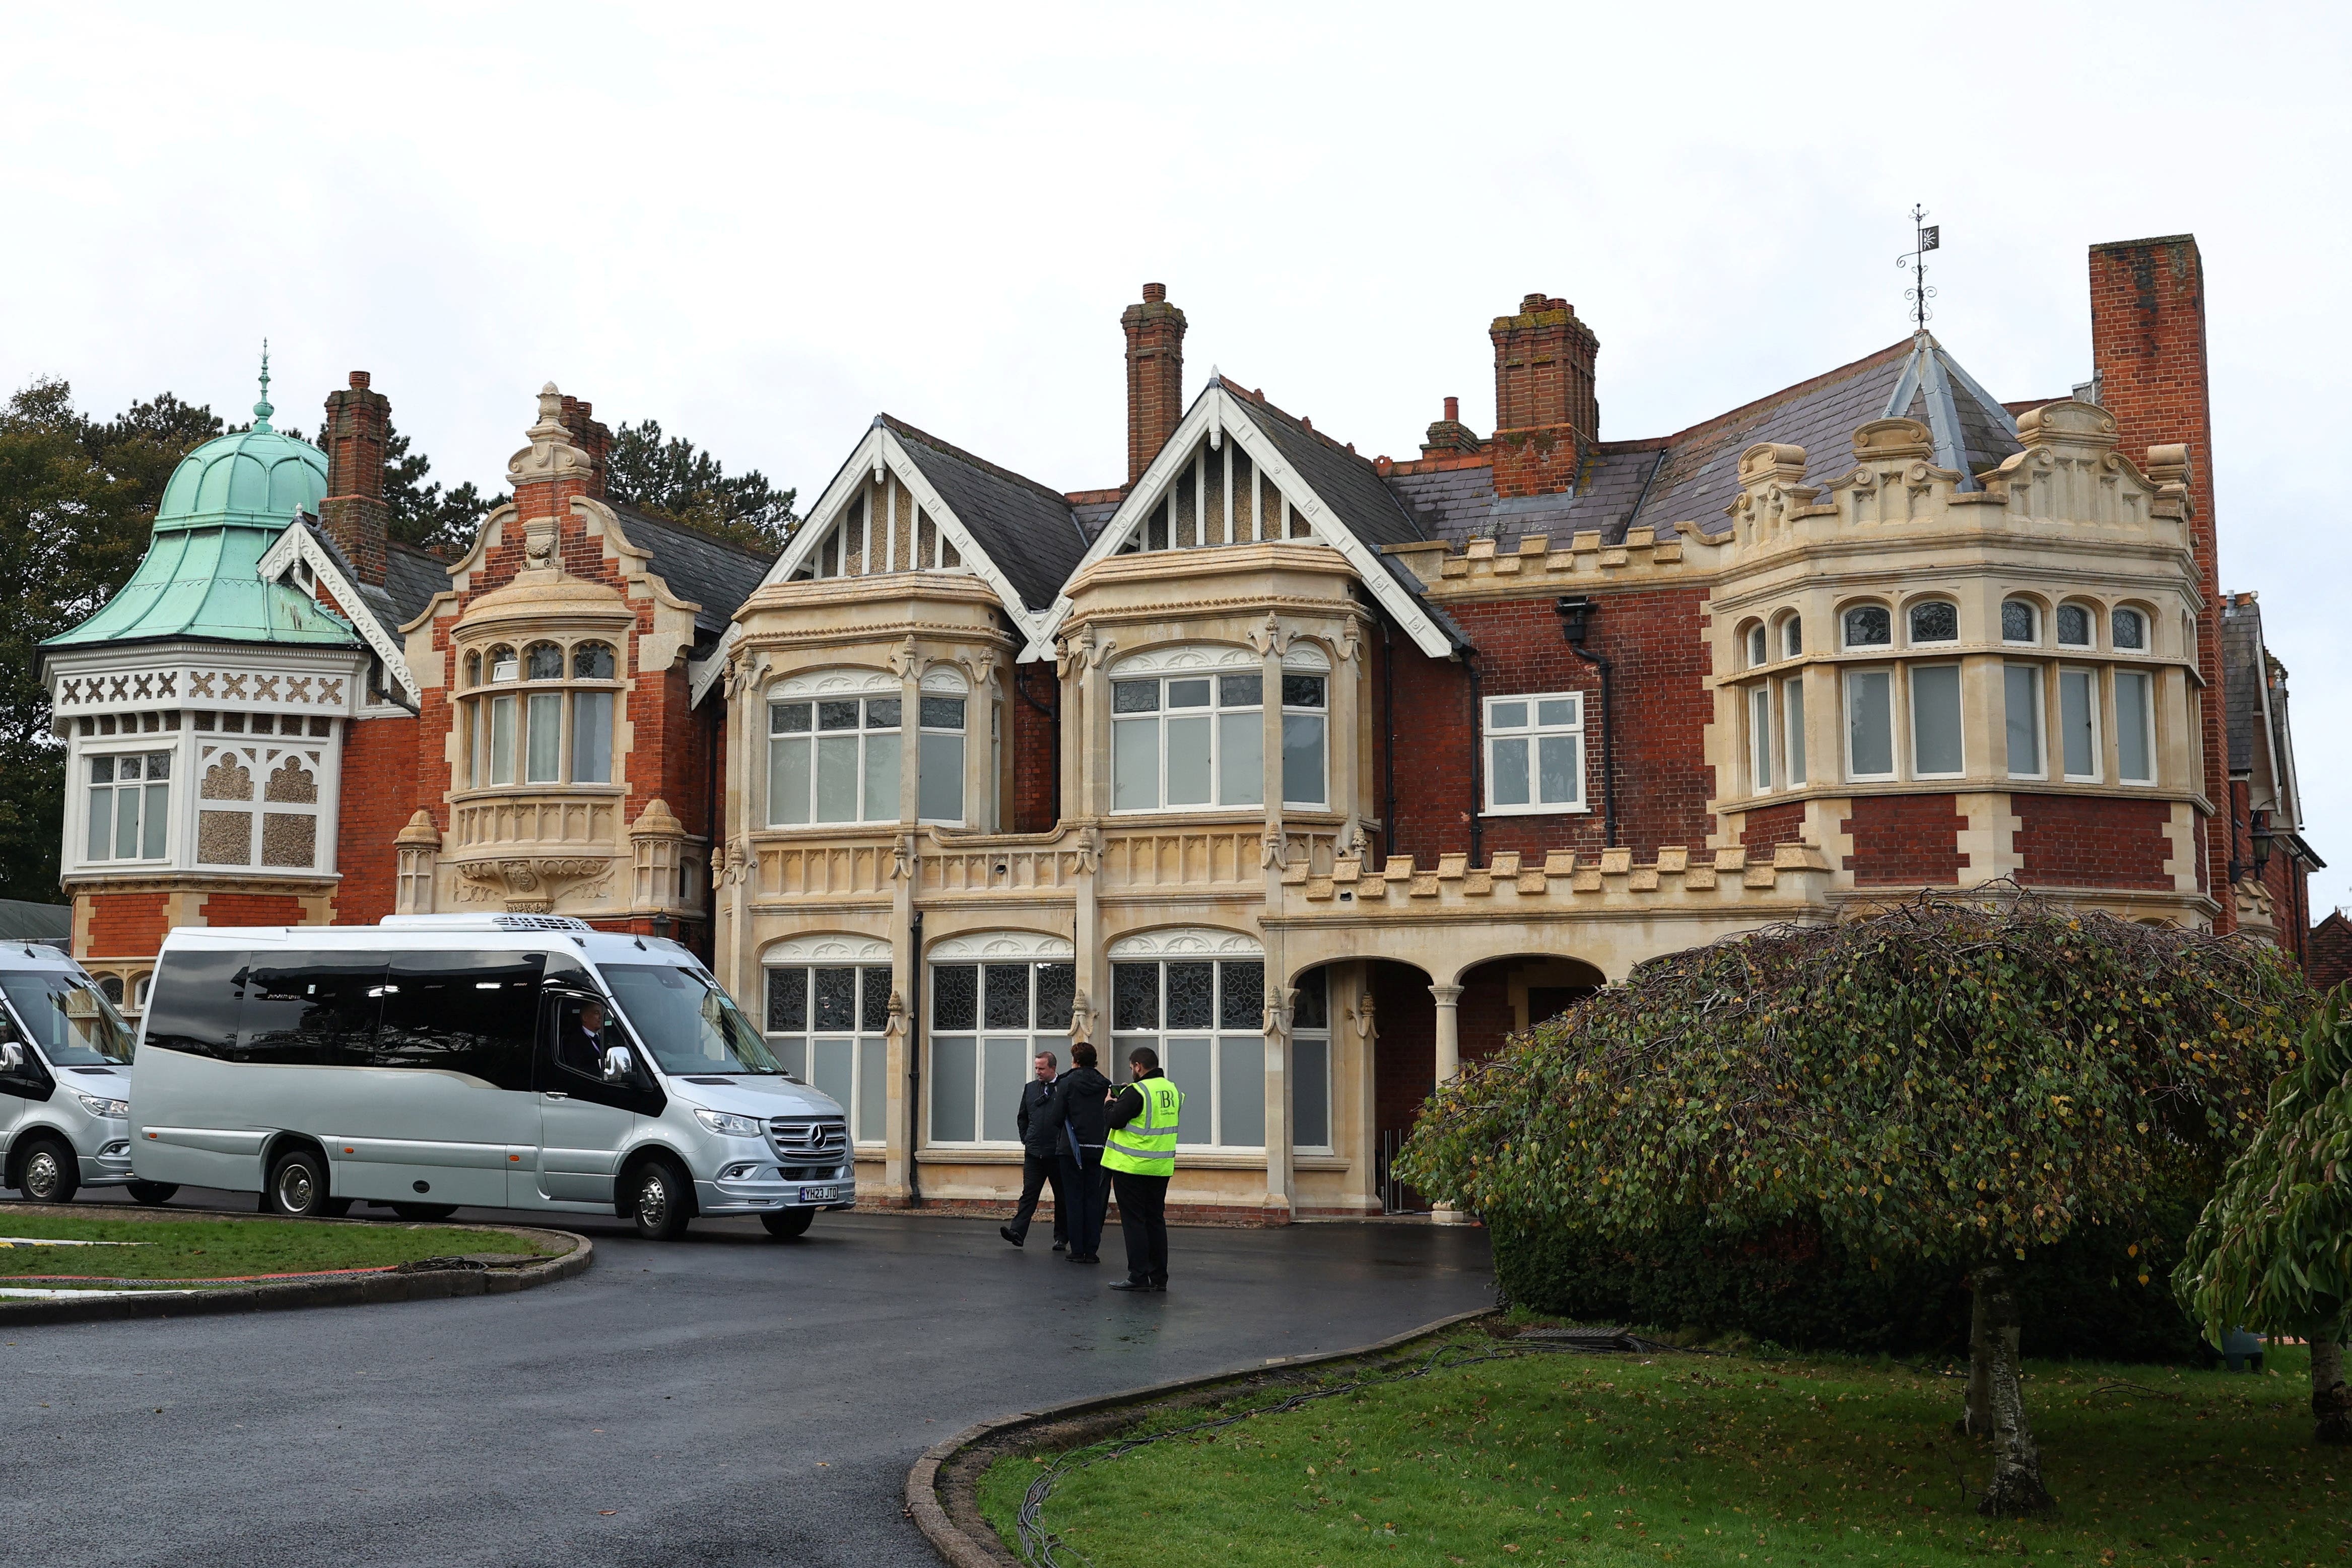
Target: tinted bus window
[475,1013]
[193,1005]
[310,1009]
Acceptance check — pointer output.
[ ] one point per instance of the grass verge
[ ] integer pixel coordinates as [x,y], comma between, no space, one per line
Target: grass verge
[226,1249]
[1549,1457]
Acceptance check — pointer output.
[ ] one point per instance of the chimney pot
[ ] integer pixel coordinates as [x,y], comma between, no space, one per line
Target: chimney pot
[359,381]
[1530,303]
[1453,409]
[1153,293]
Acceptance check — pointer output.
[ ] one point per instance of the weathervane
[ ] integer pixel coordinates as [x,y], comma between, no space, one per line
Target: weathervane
[1927,237]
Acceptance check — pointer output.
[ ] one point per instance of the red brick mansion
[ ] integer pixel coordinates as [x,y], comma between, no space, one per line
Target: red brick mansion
[1317,770]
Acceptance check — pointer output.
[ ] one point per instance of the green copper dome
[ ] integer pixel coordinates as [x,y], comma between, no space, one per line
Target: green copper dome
[258,476]
[225,506]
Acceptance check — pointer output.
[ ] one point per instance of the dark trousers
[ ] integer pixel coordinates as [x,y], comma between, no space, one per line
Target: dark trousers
[1144,1216]
[1082,1183]
[1035,1174]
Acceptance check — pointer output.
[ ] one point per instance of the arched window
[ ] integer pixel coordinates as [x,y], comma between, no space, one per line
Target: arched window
[1188,729]
[2129,629]
[2074,626]
[2020,620]
[1197,998]
[1933,621]
[837,741]
[1868,626]
[997,999]
[538,732]
[1792,636]
[1759,647]
[828,1017]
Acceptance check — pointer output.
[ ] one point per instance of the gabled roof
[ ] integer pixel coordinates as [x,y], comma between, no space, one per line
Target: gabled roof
[1341,495]
[713,575]
[410,577]
[1694,476]
[374,618]
[1025,528]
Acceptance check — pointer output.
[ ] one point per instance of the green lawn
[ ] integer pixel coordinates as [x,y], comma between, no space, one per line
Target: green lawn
[1558,1458]
[223,1249]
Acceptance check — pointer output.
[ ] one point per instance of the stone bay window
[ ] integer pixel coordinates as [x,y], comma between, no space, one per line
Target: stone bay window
[542,714]
[838,744]
[1189,730]
[996,1000]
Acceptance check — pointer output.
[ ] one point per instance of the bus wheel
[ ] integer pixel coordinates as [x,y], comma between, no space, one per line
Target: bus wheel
[424,1211]
[152,1193]
[298,1185]
[50,1172]
[660,1199]
[785,1224]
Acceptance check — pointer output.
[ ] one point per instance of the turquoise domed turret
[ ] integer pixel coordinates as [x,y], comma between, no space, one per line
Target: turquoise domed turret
[227,502]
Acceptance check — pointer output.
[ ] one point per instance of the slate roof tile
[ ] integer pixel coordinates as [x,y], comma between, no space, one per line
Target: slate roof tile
[1027,530]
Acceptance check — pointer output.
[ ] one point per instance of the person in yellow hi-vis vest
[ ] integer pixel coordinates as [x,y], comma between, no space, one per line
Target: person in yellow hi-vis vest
[1140,1154]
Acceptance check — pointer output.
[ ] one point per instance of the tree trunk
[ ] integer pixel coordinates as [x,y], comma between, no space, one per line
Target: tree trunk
[2331,1401]
[2016,1486]
[1975,1418]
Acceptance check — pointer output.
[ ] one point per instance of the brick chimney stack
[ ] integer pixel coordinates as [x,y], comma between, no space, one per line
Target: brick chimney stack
[591,437]
[355,513]
[1155,376]
[1546,417]
[2147,350]
[1450,434]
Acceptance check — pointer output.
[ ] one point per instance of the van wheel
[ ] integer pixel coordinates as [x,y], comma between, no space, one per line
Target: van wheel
[152,1193]
[785,1224]
[298,1185]
[50,1172]
[659,1199]
[424,1211]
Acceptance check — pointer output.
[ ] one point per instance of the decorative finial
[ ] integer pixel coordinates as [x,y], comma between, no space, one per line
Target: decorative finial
[262,411]
[1925,236]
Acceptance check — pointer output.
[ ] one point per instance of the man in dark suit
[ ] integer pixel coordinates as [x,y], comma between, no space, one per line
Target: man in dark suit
[1073,1118]
[1041,1161]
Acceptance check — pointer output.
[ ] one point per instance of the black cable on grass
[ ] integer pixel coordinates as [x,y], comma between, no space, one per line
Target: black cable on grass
[1042,1549]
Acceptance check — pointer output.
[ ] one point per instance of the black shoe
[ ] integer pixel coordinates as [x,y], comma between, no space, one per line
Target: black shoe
[1131,1285]
[1006,1231]
[1162,1287]
[1061,1247]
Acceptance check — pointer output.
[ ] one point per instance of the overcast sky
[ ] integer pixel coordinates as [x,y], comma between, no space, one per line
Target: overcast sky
[763,224]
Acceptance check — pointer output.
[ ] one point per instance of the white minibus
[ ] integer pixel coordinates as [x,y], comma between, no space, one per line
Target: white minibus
[65,1065]
[496,1061]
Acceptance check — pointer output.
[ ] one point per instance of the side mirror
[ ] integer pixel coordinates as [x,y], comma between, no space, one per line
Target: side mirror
[11,1057]
[619,1066]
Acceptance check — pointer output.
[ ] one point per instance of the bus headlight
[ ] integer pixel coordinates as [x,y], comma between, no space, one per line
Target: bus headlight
[117,1109]
[733,1125]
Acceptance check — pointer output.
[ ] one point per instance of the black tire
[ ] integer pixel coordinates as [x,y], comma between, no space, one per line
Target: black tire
[298,1185]
[660,1198]
[48,1171]
[788,1224]
[427,1212]
[152,1193]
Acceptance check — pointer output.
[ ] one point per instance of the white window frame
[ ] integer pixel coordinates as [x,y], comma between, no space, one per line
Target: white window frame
[1847,644]
[1894,723]
[1913,607]
[2090,673]
[2039,725]
[1313,981]
[1026,950]
[1911,673]
[2090,621]
[1790,710]
[1534,733]
[1212,664]
[2146,628]
[1760,770]
[1759,644]
[2147,704]
[798,1047]
[861,686]
[1792,636]
[84,788]
[517,694]
[1204,1103]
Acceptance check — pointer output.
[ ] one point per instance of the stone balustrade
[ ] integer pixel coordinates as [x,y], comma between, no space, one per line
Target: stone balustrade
[1610,879]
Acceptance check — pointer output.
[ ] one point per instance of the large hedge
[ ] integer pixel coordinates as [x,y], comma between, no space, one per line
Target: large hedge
[2095,1296]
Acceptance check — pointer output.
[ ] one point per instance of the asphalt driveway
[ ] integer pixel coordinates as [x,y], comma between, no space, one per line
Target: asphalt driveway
[726,1399]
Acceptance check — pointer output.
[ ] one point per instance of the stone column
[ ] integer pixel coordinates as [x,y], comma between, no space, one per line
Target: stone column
[1449,1063]
[1356,1030]
[1279,994]
[902,1122]
[1346,746]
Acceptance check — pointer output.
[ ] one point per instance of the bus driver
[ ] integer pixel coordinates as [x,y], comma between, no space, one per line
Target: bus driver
[583,1050]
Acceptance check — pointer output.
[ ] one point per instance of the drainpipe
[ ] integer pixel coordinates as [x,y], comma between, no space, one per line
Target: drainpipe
[1388,701]
[1575,620]
[1478,759]
[915,1064]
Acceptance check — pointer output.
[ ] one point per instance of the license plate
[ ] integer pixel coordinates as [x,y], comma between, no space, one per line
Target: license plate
[821,1194]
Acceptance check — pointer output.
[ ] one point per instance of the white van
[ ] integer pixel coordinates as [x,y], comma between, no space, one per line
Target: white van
[65,1065]
[497,1061]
